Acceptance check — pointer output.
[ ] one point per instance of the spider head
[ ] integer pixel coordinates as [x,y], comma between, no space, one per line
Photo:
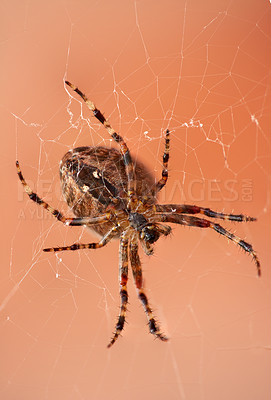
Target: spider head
[149,234]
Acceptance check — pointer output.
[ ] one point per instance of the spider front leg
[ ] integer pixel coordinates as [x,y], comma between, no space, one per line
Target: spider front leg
[137,275]
[191,209]
[123,278]
[204,223]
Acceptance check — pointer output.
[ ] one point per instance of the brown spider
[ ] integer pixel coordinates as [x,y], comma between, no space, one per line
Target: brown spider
[115,195]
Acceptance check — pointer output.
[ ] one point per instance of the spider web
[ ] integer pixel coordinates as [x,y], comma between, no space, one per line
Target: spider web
[201,69]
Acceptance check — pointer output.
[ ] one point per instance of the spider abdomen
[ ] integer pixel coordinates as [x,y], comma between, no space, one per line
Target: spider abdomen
[94,180]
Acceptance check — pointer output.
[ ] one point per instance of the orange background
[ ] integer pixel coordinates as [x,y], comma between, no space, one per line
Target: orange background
[202,69]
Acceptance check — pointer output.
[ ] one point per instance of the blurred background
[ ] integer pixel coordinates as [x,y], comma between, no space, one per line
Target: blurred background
[201,69]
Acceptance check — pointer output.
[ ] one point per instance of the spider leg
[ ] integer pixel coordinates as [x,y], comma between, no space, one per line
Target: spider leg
[162,182]
[57,214]
[137,275]
[123,278]
[189,209]
[203,223]
[79,246]
[129,167]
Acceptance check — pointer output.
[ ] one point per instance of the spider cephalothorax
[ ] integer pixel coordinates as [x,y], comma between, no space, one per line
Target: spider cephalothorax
[116,196]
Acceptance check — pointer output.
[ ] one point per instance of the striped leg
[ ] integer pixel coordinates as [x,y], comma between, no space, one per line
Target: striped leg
[129,167]
[203,223]
[137,275]
[123,278]
[189,209]
[57,214]
[161,183]
[79,246]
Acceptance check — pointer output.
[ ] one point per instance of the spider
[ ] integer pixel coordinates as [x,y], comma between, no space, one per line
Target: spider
[113,194]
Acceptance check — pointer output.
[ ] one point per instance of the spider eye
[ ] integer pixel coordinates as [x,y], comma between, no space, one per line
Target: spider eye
[149,234]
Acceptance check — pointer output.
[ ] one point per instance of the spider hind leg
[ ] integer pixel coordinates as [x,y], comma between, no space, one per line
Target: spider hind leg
[80,246]
[162,182]
[124,150]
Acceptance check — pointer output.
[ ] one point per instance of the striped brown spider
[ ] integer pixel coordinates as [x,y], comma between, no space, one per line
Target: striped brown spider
[115,195]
